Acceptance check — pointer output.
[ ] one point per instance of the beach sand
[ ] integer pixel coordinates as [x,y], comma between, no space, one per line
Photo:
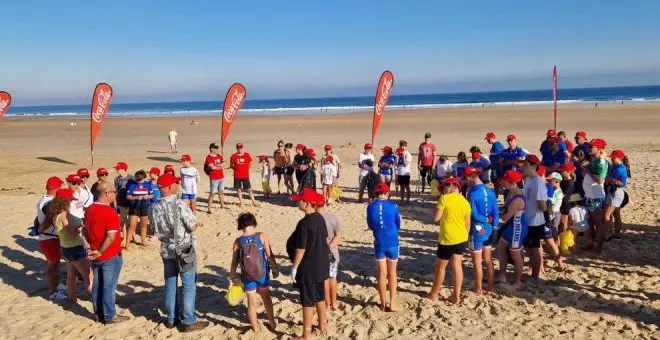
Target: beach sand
[615,296]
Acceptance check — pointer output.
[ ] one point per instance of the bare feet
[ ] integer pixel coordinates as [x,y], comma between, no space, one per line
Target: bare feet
[432,297]
[478,291]
[454,299]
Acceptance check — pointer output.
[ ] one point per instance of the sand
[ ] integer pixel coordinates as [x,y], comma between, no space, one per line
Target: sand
[614,296]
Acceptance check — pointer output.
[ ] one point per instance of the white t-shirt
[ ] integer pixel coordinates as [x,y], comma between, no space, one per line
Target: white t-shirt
[534,190]
[265,172]
[443,170]
[173,136]
[87,197]
[189,180]
[41,217]
[403,170]
[363,158]
[77,208]
[592,189]
[579,216]
[328,173]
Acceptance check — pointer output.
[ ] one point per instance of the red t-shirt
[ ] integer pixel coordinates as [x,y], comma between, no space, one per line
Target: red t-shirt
[241,165]
[101,219]
[216,161]
[426,151]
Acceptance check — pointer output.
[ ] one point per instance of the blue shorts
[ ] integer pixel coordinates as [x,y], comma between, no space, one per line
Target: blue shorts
[74,254]
[478,241]
[514,233]
[264,282]
[391,253]
[188,197]
[217,185]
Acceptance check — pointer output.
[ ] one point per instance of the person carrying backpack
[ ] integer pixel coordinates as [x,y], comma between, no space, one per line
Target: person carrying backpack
[252,252]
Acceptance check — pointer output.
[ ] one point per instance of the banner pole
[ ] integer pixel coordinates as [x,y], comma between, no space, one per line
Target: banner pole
[92,153]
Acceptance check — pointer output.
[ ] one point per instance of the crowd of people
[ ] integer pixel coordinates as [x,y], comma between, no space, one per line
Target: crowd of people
[570,188]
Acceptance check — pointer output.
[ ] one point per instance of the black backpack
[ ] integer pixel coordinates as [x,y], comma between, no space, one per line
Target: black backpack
[207,169]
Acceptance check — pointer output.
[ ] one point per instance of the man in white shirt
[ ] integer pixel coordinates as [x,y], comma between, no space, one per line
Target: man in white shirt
[403,162]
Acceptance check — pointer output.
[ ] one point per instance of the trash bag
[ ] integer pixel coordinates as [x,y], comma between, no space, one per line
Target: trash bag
[566,241]
[265,186]
[235,294]
[335,194]
[435,188]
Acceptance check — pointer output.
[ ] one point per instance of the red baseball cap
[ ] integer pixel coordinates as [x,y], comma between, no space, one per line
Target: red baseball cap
[511,176]
[167,179]
[311,153]
[551,133]
[54,183]
[300,147]
[154,170]
[387,148]
[101,172]
[186,158]
[327,147]
[121,166]
[320,200]
[400,151]
[533,159]
[168,168]
[568,167]
[239,145]
[330,159]
[453,181]
[73,178]
[511,137]
[471,170]
[65,193]
[83,172]
[307,195]
[490,135]
[382,188]
[476,155]
[368,146]
[581,134]
[262,158]
[617,154]
[599,143]
[541,170]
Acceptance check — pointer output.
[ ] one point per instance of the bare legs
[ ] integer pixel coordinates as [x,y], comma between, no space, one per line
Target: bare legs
[387,279]
[457,274]
[252,307]
[331,293]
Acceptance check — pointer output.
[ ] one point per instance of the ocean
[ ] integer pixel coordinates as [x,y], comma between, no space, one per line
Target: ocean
[343,105]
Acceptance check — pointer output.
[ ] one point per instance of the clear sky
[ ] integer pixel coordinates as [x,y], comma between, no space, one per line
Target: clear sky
[56,51]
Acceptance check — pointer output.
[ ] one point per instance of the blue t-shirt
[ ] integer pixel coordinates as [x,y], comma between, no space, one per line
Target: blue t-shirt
[483,203]
[620,173]
[384,220]
[155,191]
[139,189]
[551,191]
[459,169]
[387,159]
[550,158]
[585,147]
[512,154]
[546,149]
[495,153]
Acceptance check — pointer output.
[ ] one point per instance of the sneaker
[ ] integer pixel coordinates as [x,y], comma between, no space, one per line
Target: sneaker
[61,288]
[197,326]
[118,319]
[57,296]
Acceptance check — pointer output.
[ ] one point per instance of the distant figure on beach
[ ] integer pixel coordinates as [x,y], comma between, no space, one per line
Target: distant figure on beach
[73,125]
[426,160]
[173,136]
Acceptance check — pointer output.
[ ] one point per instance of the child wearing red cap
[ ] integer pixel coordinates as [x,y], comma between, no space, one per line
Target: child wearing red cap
[121,185]
[366,155]
[49,243]
[335,159]
[616,183]
[513,155]
[328,177]
[214,167]
[386,165]
[459,167]
[139,194]
[240,162]
[403,164]
[154,174]
[189,181]
[595,172]
[88,197]
[514,231]
[102,176]
[265,175]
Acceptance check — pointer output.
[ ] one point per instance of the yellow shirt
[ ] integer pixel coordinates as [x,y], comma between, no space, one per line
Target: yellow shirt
[67,239]
[454,208]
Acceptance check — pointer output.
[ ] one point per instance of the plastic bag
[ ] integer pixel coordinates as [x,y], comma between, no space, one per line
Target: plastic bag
[435,188]
[566,241]
[235,294]
[335,194]
[265,186]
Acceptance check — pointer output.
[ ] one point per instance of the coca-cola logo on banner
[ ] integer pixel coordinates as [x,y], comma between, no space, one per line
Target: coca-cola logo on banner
[235,104]
[103,99]
[386,90]
[3,105]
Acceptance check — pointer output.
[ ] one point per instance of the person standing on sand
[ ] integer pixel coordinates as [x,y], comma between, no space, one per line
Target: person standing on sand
[513,155]
[105,254]
[581,144]
[403,165]
[139,195]
[496,148]
[616,182]
[595,172]
[484,214]
[102,175]
[174,138]
[384,221]
[308,250]
[213,167]
[83,173]
[453,214]
[426,160]
[386,165]
[281,162]
[288,176]
[364,168]
[121,203]
[301,164]
[335,159]
[189,181]
[83,197]
[334,238]
[514,231]
[175,223]
[49,243]
[240,162]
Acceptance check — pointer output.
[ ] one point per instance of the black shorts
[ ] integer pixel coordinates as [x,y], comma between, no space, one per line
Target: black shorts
[565,205]
[138,211]
[242,183]
[279,170]
[311,293]
[403,180]
[446,252]
[426,171]
[534,236]
[290,170]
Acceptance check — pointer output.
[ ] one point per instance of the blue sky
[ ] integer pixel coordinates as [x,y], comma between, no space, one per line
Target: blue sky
[55,52]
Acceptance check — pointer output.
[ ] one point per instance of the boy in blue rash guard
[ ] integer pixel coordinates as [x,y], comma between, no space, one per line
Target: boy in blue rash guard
[546,145]
[384,220]
[386,165]
[496,149]
[615,184]
[513,155]
[484,213]
[555,158]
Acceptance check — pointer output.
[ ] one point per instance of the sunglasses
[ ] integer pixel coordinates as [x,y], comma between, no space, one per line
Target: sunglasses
[103,175]
[84,176]
[76,183]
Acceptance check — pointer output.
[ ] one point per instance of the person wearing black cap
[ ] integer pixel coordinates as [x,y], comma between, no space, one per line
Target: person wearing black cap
[426,160]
